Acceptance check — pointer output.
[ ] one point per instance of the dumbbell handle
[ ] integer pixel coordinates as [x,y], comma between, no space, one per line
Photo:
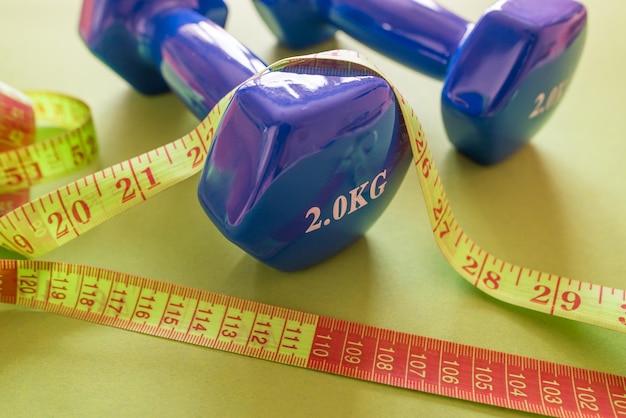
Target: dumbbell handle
[200,61]
[418,33]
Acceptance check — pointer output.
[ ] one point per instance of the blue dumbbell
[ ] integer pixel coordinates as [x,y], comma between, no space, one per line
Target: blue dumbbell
[302,163]
[504,76]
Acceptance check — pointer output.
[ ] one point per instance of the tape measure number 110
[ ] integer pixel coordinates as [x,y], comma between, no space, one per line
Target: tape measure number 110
[301,339]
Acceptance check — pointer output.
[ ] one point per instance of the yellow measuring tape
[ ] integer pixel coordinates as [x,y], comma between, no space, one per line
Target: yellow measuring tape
[60,155]
[283,335]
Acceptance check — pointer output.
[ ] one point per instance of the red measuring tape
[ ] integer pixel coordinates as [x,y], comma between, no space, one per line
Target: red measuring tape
[295,338]
[312,341]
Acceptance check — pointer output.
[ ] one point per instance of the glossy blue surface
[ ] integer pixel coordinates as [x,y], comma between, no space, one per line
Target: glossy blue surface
[485,65]
[494,103]
[115,31]
[199,60]
[302,163]
[161,45]
[290,143]
[296,23]
[420,34]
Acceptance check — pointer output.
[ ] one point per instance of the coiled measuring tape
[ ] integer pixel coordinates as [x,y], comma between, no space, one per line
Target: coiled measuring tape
[291,337]
[43,161]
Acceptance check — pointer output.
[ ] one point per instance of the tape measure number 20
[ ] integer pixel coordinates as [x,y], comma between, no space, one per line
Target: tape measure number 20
[295,338]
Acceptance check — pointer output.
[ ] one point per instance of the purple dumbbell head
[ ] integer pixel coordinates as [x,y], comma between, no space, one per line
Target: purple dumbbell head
[510,74]
[303,159]
[121,34]
[303,164]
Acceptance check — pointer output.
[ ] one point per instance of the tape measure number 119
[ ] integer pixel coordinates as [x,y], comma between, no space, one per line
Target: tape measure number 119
[295,338]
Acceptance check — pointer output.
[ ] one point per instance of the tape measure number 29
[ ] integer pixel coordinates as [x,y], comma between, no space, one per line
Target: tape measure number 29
[295,338]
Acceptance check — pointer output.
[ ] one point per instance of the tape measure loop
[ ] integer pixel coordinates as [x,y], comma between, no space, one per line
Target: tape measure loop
[54,157]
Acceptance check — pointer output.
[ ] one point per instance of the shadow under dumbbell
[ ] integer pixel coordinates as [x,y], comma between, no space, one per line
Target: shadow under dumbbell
[514,209]
[323,283]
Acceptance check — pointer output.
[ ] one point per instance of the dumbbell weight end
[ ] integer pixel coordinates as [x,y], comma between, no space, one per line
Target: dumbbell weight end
[156,47]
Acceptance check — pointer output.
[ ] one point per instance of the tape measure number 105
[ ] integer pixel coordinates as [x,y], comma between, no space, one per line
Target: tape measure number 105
[295,338]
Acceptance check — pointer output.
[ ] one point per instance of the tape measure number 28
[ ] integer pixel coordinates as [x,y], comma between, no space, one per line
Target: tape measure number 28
[295,338]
